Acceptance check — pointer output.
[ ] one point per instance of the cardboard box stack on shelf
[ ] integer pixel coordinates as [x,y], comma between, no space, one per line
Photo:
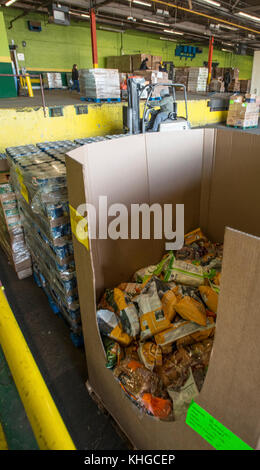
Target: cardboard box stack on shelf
[99,83]
[131,63]
[205,162]
[52,80]
[11,233]
[243,111]
[217,84]
[38,175]
[197,79]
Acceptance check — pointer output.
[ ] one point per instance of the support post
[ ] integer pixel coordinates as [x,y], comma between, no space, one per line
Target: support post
[93,38]
[211,42]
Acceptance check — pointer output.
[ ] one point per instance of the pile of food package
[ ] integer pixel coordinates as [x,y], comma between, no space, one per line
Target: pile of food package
[99,83]
[158,329]
[38,175]
[197,80]
[11,233]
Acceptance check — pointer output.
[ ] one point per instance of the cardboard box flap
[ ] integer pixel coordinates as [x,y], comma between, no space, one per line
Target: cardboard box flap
[231,391]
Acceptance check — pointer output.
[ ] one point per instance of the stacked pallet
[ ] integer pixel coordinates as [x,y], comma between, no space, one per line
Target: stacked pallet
[52,80]
[197,79]
[243,111]
[99,83]
[39,177]
[154,77]
[11,233]
[216,85]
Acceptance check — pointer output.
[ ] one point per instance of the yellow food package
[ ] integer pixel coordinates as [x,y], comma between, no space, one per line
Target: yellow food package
[109,325]
[192,310]
[150,355]
[216,279]
[197,336]
[169,300]
[194,236]
[151,314]
[210,297]
[178,330]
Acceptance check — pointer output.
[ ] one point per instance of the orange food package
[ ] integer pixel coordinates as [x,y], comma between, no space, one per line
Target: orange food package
[194,236]
[210,297]
[159,407]
[150,355]
[192,310]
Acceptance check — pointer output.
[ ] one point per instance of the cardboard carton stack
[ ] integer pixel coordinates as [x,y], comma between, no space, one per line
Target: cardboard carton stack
[11,233]
[99,83]
[182,75]
[243,112]
[4,169]
[245,86]
[217,84]
[197,79]
[130,63]
[52,80]
[39,178]
[154,76]
[234,84]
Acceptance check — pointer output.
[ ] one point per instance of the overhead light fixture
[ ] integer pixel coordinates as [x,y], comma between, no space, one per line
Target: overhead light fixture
[228,27]
[85,16]
[212,2]
[112,29]
[7,4]
[172,32]
[226,50]
[228,44]
[141,3]
[168,39]
[155,22]
[250,17]
[131,18]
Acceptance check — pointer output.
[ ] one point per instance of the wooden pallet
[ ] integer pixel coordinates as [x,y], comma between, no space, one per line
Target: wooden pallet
[103,409]
[242,128]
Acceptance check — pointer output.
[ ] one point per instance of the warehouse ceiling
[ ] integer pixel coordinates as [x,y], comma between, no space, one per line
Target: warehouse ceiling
[234,24]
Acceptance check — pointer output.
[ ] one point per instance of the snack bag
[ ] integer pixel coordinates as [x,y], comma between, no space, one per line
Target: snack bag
[166,295]
[210,297]
[151,314]
[113,352]
[159,407]
[175,369]
[142,274]
[136,379]
[183,272]
[128,313]
[183,395]
[150,355]
[179,330]
[198,335]
[130,288]
[192,310]
[110,326]
[194,236]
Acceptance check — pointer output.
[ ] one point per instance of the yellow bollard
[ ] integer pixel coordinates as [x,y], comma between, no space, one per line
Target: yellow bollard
[47,424]
[29,85]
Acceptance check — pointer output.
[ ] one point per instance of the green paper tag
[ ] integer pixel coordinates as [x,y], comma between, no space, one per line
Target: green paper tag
[220,437]
[231,102]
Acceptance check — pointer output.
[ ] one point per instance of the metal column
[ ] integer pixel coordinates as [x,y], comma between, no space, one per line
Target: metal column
[93,37]
[211,42]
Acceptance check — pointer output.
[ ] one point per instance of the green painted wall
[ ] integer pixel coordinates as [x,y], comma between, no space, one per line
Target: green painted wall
[7,86]
[58,47]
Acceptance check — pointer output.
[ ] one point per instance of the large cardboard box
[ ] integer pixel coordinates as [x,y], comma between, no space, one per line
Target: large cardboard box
[215,174]
[137,59]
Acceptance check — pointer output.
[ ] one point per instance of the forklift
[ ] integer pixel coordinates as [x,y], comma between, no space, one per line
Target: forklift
[132,122]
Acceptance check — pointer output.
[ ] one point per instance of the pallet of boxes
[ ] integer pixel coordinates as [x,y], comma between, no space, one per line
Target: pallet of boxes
[181,75]
[243,111]
[11,233]
[100,84]
[52,80]
[154,77]
[197,79]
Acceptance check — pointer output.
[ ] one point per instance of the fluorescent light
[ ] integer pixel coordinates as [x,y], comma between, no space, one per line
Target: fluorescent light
[10,3]
[226,50]
[250,17]
[141,3]
[212,2]
[112,29]
[173,32]
[168,39]
[155,22]
[227,44]
[85,16]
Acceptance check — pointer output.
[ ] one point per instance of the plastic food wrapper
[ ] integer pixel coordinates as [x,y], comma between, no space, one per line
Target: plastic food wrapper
[175,369]
[194,236]
[142,386]
[184,273]
[197,336]
[192,310]
[109,325]
[210,297]
[114,352]
[150,355]
[178,330]
[120,303]
[144,274]
[183,396]
[152,317]
[167,296]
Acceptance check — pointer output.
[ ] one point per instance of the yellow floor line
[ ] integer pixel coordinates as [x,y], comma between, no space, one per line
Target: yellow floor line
[3,443]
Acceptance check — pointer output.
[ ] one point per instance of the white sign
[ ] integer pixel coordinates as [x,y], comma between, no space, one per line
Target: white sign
[20,56]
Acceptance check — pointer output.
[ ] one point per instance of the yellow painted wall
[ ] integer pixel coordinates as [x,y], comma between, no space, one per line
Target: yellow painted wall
[29,126]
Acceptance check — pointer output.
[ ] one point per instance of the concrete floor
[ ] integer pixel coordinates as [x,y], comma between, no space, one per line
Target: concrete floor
[62,365]
[66,97]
